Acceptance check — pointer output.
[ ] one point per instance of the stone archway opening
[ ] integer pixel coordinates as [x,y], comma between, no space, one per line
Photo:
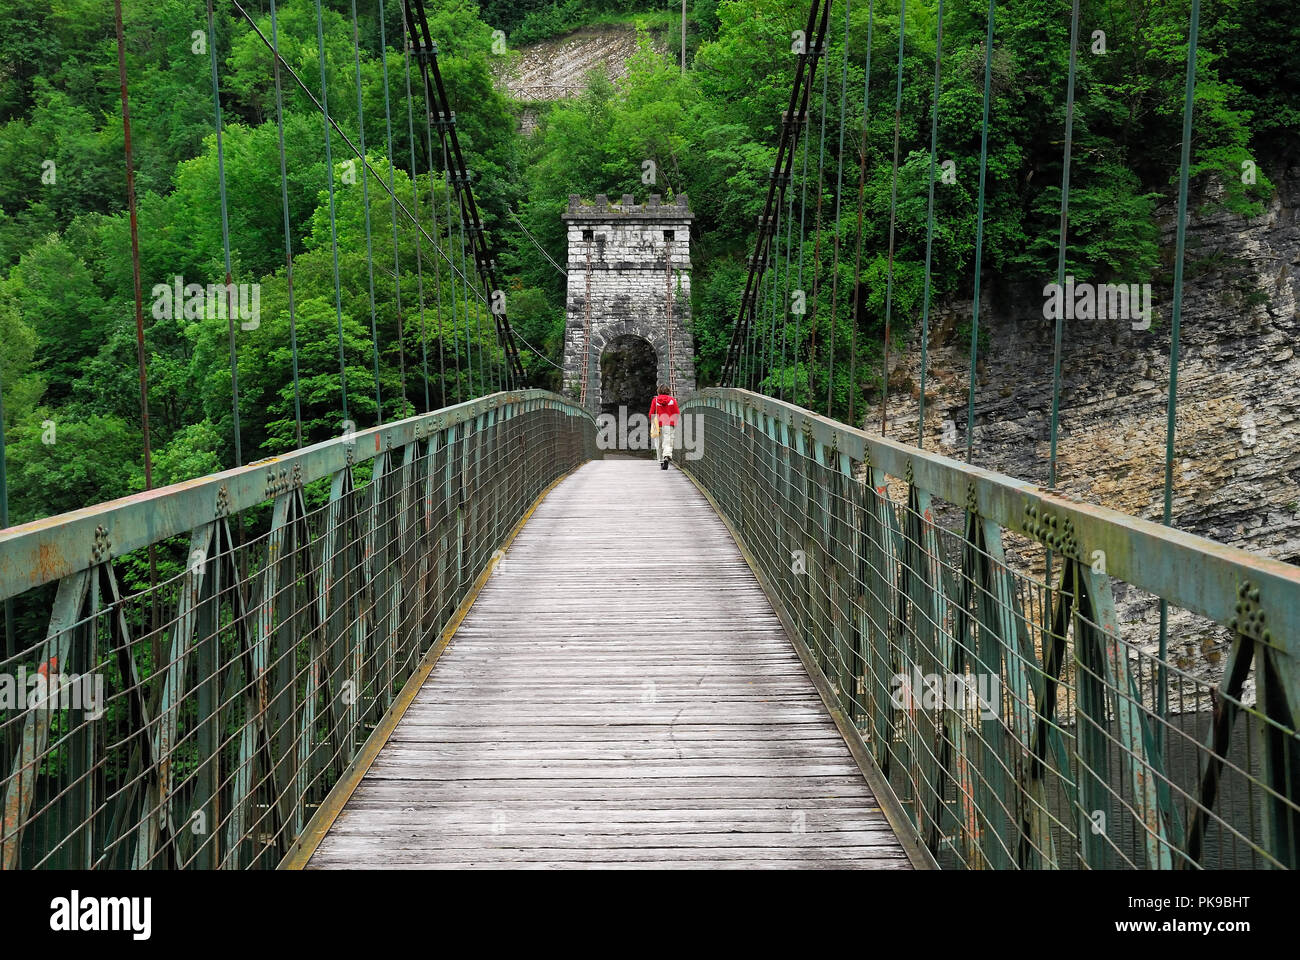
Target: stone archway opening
[628,372]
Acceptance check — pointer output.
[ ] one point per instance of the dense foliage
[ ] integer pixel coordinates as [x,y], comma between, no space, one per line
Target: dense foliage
[712,133]
[67,298]
[67,311]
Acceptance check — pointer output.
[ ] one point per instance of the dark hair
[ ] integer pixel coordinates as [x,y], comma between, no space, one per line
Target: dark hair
[663,389]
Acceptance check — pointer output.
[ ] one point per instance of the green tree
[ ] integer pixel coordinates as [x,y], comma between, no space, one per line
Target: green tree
[58,463]
[56,297]
[22,385]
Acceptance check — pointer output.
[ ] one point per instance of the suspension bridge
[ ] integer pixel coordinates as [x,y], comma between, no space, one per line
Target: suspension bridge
[473,637]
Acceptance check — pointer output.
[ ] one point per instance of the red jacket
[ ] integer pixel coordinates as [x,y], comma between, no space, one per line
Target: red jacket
[665,408]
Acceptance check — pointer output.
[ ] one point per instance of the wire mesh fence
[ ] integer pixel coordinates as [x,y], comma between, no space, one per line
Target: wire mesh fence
[967,625]
[200,720]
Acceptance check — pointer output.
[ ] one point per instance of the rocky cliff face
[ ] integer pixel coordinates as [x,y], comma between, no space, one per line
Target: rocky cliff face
[557,69]
[1237,447]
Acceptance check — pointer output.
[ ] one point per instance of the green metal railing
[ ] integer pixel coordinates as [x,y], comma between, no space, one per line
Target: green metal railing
[1014,722]
[200,722]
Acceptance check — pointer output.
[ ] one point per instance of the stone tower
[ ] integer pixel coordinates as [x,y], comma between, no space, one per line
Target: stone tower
[629,273]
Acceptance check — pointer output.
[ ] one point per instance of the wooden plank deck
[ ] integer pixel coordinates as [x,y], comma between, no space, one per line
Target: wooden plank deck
[621,694]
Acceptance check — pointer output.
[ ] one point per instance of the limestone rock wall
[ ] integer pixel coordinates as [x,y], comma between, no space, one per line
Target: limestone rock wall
[1237,447]
[556,69]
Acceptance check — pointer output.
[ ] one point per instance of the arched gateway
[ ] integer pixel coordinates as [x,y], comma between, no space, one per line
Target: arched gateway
[629,276]
[629,374]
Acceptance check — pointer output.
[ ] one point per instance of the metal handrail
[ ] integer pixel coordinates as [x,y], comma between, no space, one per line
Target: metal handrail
[200,719]
[47,550]
[895,569]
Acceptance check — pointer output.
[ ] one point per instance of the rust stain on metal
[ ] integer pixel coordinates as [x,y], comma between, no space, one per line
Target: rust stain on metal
[50,563]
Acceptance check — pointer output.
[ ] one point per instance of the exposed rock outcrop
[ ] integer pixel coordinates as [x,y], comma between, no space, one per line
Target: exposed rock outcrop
[557,69]
[1237,447]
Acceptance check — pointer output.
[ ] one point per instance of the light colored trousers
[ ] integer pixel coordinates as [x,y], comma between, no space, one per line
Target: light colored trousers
[664,442]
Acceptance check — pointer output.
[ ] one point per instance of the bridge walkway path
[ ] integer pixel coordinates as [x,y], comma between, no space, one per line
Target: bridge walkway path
[620,694]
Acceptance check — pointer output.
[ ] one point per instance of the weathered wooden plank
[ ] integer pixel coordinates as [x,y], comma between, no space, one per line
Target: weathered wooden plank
[547,817]
[829,856]
[406,766]
[619,749]
[662,715]
[597,788]
[618,862]
[620,694]
[503,834]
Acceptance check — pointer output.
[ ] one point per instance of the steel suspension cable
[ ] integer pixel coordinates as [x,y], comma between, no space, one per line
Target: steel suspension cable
[764,297]
[747,354]
[766,300]
[979,235]
[1171,423]
[415,201]
[447,192]
[839,195]
[484,264]
[469,305]
[1060,279]
[746,368]
[540,249]
[541,356]
[365,200]
[334,232]
[1061,246]
[142,369]
[783,295]
[784,299]
[760,322]
[803,230]
[929,231]
[288,226]
[817,243]
[733,371]
[893,210]
[774,263]
[484,355]
[397,262]
[862,193]
[793,128]
[748,332]
[437,268]
[225,233]
[11,641]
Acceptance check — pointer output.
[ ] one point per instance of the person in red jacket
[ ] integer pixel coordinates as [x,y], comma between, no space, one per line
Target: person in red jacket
[664,413]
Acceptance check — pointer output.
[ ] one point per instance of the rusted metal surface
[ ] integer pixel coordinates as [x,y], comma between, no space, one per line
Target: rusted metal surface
[20,785]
